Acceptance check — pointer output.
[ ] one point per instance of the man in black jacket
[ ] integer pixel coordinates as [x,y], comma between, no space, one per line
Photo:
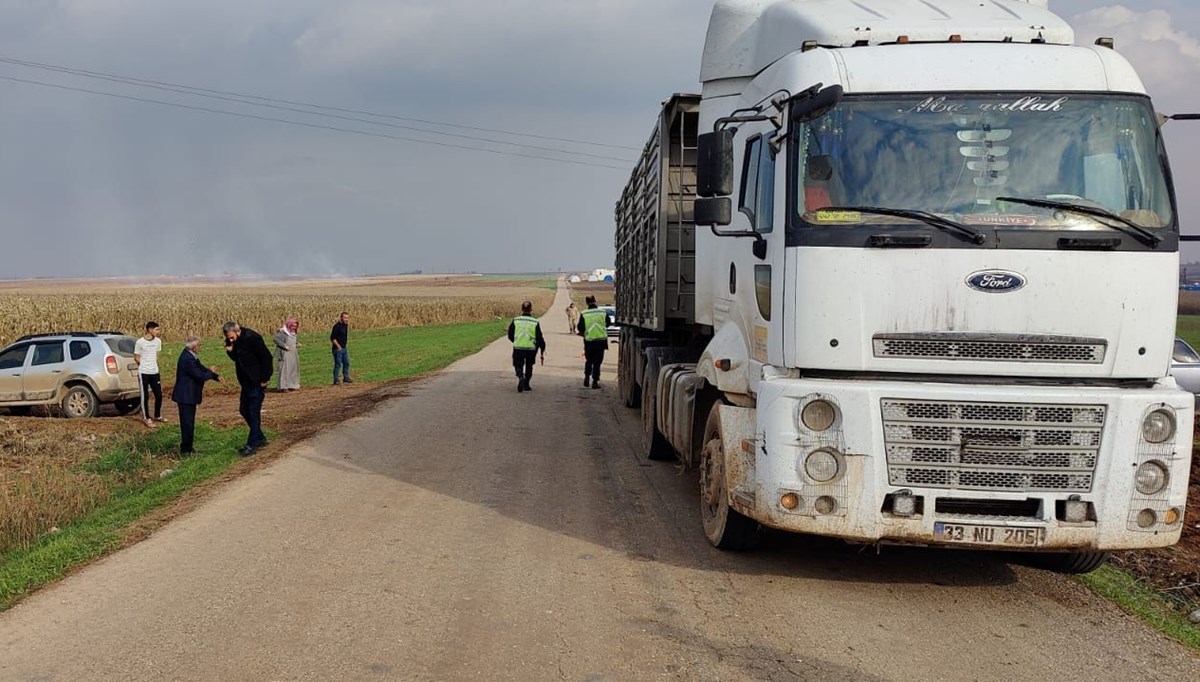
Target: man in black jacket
[254,366]
[188,392]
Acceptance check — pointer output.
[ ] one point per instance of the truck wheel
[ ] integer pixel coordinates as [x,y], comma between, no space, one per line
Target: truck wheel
[724,527]
[630,392]
[79,403]
[124,407]
[1069,562]
[653,442]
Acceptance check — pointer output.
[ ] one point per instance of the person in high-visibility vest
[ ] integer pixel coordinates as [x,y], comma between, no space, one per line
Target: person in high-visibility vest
[526,336]
[593,327]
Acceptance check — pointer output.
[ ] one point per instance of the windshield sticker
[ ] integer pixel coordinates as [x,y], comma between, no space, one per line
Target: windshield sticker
[839,217]
[941,105]
[986,219]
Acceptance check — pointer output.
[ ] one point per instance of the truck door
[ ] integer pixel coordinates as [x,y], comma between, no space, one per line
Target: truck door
[761,265]
[12,365]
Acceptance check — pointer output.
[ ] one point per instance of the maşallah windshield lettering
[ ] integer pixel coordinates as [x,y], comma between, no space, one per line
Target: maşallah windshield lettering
[954,155]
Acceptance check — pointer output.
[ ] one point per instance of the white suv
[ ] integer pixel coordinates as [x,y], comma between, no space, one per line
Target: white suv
[77,371]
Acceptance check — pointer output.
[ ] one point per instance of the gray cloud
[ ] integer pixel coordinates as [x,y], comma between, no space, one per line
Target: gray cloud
[90,185]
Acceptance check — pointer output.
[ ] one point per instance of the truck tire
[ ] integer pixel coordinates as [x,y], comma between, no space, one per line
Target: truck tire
[630,392]
[1069,562]
[724,527]
[79,403]
[654,444]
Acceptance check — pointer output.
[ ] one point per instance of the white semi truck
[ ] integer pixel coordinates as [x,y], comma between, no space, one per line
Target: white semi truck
[906,272]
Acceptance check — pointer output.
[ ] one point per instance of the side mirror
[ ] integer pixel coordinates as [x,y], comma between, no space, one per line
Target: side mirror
[714,165]
[713,211]
[816,106]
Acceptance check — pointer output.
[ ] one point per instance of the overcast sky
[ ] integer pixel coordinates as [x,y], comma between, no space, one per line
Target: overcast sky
[92,185]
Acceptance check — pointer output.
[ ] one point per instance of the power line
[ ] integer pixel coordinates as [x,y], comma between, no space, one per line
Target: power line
[185,90]
[146,82]
[304,124]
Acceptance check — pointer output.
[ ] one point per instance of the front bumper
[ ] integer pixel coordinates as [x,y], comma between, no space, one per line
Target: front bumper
[1008,490]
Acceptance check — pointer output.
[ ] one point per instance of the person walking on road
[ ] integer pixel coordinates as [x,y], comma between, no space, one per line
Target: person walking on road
[525,332]
[252,360]
[572,317]
[145,354]
[287,353]
[341,357]
[188,391]
[593,326]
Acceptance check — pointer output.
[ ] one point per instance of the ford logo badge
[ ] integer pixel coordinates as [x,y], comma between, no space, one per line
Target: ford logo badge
[995,281]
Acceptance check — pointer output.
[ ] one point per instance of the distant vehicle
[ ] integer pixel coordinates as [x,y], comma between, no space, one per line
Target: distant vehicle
[77,371]
[613,330]
[1185,366]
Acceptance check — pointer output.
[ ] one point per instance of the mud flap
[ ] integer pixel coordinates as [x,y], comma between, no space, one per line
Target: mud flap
[737,428]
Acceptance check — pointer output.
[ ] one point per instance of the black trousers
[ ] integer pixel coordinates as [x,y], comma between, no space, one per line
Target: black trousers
[593,356]
[523,361]
[250,407]
[151,383]
[187,427]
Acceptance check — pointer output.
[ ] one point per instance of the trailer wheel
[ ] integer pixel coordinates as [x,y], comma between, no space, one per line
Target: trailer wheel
[630,392]
[1069,562]
[724,527]
[653,442]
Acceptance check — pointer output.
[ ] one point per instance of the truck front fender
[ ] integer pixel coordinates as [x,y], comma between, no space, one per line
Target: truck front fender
[728,344]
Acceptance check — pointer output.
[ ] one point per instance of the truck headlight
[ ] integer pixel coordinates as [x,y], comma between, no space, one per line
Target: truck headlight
[1151,478]
[822,465]
[818,415]
[1159,426]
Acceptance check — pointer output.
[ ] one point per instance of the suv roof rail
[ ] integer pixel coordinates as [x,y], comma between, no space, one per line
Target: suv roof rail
[110,331]
[43,336]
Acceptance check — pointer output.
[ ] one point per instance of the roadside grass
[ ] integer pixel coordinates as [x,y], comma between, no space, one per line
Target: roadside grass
[1144,602]
[1187,327]
[135,468]
[126,479]
[375,354]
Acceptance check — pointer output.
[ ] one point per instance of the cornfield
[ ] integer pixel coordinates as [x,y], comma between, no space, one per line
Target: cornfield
[202,310]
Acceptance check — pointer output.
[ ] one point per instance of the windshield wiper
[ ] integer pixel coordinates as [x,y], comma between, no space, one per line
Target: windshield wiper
[1128,225]
[926,217]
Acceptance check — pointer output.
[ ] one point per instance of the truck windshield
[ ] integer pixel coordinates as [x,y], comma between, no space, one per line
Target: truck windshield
[954,155]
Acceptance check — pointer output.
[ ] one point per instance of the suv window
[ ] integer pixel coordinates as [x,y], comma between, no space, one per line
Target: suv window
[13,358]
[121,345]
[47,353]
[80,350]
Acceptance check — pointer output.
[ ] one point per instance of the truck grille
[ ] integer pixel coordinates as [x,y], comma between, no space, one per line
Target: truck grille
[1010,447]
[995,347]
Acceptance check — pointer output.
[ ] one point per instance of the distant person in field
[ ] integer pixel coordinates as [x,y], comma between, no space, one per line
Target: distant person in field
[526,335]
[145,354]
[188,392]
[287,352]
[593,325]
[572,317]
[341,356]
[253,363]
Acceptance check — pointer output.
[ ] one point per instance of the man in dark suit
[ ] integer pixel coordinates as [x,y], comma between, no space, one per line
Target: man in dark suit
[254,366]
[188,392]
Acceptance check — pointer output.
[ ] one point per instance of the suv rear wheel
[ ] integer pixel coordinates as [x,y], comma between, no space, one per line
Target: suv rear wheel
[79,403]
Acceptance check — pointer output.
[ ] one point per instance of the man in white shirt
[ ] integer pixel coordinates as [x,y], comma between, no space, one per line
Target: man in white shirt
[145,354]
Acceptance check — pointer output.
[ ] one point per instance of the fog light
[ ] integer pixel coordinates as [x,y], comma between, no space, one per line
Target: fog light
[1151,477]
[1075,511]
[818,415]
[904,504]
[822,465]
[1159,426]
[825,505]
[789,501]
[1146,518]
[1171,517]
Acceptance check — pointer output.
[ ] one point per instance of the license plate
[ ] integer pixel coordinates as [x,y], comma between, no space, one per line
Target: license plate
[1003,536]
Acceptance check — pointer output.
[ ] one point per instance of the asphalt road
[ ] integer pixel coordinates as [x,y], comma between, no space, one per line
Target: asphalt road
[469,532]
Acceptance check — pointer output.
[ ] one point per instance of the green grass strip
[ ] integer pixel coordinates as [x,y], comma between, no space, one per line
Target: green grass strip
[1144,602]
[49,558]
